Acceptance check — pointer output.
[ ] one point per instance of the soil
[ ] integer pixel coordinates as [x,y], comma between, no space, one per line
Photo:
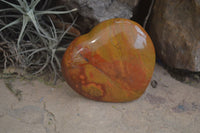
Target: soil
[31,106]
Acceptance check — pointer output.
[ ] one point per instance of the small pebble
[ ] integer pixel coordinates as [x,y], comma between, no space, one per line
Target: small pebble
[154,83]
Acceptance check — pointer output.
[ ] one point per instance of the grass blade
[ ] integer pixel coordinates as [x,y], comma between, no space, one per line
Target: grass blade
[66,31]
[7,9]
[19,8]
[44,66]
[22,4]
[34,3]
[56,12]
[10,16]
[41,31]
[25,22]
[57,7]
[11,24]
[38,50]
[54,33]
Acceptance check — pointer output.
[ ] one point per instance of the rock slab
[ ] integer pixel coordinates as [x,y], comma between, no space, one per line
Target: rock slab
[175,31]
[95,11]
[171,107]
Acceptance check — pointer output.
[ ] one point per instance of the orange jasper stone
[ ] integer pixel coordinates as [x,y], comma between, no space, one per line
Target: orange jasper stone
[114,62]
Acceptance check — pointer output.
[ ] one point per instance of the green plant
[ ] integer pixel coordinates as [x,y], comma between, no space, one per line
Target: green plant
[34,45]
[29,14]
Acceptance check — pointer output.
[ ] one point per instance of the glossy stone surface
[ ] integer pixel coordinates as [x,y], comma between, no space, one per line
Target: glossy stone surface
[114,62]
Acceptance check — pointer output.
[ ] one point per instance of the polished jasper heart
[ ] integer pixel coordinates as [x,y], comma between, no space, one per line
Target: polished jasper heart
[114,62]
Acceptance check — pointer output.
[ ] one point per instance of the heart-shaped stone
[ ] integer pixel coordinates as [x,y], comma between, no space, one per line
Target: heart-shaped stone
[114,62]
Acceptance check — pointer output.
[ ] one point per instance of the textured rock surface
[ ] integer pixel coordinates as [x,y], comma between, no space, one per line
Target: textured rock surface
[171,107]
[175,30]
[95,11]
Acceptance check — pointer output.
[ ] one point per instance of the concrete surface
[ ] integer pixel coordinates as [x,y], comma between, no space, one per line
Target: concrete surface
[171,107]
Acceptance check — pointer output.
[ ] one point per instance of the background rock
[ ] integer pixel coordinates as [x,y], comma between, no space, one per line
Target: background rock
[175,31]
[95,11]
